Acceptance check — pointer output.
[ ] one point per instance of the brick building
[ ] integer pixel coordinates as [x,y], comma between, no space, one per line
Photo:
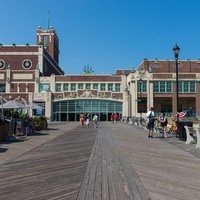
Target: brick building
[31,73]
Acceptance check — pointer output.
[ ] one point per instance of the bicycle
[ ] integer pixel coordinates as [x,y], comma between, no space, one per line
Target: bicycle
[173,129]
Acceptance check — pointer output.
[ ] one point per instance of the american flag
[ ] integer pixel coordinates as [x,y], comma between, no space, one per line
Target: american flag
[181,114]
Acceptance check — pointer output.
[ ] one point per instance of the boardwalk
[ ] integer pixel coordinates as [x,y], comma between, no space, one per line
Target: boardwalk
[113,161]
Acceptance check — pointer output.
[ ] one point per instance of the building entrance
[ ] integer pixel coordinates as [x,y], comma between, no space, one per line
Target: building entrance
[70,110]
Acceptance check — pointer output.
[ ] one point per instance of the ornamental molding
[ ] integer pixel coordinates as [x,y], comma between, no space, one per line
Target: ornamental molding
[180,64]
[87,94]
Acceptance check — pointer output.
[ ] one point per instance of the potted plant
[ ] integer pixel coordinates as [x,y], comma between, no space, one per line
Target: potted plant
[37,123]
[44,122]
[3,130]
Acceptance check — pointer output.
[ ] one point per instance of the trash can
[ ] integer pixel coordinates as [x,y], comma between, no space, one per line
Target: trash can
[181,129]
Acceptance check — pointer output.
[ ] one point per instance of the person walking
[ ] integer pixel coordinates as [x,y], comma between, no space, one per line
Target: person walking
[112,117]
[94,119]
[150,122]
[163,123]
[116,117]
[26,124]
[81,119]
[87,120]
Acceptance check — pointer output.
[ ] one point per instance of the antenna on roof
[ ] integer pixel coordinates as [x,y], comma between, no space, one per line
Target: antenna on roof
[48,18]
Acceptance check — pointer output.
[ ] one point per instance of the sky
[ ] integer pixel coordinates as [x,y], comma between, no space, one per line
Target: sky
[106,35]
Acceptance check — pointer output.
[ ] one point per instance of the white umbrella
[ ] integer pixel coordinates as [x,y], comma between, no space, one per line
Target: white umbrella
[12,104]
[32,105]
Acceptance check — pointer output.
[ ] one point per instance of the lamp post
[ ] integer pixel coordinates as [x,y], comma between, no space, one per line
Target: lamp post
[2,105]
[140,82]
[129,101]
[176,51]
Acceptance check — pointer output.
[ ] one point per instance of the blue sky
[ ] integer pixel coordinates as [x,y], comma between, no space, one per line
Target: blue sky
[106,34]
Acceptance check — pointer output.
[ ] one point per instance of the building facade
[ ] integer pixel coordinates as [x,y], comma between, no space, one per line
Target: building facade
[31,73]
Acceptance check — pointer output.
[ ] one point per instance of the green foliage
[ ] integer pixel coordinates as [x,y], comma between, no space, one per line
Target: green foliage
[42,117]
[37,121]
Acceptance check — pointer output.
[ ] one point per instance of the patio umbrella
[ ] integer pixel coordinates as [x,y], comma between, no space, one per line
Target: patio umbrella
[12,105]
[32,105]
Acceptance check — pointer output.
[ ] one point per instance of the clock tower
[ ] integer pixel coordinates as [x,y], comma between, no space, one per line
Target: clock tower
[49,40]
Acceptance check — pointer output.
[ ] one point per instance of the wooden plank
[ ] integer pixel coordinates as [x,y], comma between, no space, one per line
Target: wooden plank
[53,170]
[167,168]
[114,161]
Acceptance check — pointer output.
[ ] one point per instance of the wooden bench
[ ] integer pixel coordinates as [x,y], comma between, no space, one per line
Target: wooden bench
[193,135]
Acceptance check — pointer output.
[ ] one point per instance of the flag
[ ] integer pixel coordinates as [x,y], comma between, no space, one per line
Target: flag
[181,114]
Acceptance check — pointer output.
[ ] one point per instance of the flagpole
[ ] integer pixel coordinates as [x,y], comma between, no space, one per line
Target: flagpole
[48,17]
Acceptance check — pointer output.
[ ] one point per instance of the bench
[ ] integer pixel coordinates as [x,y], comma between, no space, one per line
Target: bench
[193,135]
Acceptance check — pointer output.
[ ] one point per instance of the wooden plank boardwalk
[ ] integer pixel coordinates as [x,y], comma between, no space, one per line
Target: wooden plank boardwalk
[54,170]
[109,175]
[111,162]
[168,168]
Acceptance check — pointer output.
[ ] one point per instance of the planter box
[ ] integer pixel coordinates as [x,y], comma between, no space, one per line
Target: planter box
[44,124]
[3,132]
[38,128]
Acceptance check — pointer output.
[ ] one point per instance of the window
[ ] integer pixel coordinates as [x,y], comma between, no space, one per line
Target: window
[44,87]
[187,87]
[110,87]
[45,40]
[2,64]
[95,86]
[117,87]
[192,87]
[102,86]
[58,87]
[27,64]
[143,86]
[162,86]
[156,86]
[73,87]
[88,86]
[2,87]
[169,87]
[65,87]
[80,86]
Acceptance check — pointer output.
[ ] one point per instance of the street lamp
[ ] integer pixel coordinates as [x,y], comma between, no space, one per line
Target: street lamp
[129,100]
[176,51]
[140,82]
[2,104]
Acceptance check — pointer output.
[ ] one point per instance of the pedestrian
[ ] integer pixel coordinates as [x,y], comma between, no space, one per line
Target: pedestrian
[26,124]
[81,119]
[87,120]
[112,117]
[150,122]
[15,117]
[116,117]
[94,119]
[163,123]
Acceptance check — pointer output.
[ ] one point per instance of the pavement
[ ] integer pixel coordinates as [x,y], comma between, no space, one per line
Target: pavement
[13,148]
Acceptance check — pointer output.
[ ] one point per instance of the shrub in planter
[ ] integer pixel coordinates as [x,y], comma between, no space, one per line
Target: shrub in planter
[3,131]
[44,122]
[37,123]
